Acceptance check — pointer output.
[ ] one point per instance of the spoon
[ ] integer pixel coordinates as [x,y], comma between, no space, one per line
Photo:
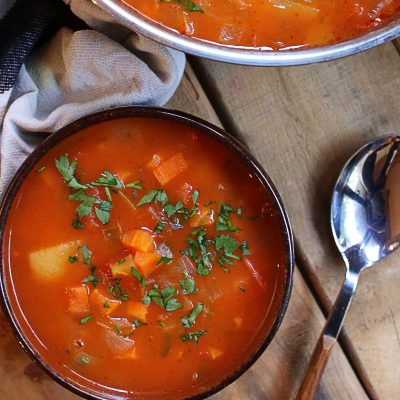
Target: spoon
[365,221]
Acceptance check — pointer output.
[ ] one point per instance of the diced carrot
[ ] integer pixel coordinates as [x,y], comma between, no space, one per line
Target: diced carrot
[170,168]
[103,303]
[138,239]
[205,216]
[146,263]
[155,161]
[215,353]
[122,266]
[137,310]
[78,300]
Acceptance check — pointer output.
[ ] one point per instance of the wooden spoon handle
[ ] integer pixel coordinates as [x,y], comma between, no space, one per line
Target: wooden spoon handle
[316,367]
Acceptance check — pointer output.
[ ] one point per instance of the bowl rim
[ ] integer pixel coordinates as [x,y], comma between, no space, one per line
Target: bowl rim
[211,130]
[258,56]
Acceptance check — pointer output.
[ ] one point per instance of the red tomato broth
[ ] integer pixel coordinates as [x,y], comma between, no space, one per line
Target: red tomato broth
[164,365]
[274,24]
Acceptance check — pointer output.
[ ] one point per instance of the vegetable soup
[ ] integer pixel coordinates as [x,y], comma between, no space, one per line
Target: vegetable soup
[143,258]
[273,24]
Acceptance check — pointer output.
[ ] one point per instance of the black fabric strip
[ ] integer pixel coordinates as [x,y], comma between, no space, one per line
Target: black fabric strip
[27,23]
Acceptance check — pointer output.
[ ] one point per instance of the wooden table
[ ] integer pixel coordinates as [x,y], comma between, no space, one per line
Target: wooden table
[301,123]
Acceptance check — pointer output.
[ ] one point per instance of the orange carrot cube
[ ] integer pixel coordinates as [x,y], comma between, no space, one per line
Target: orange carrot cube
[140,240]
[78,300]
[204,216]
[170,168]
[103,303]
[146,263]
[137,310]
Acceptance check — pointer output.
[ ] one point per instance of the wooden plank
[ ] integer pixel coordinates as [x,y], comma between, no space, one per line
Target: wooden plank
[276,375]
[303,123]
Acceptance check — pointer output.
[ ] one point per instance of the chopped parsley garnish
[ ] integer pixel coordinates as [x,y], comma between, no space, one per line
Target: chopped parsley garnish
[161,323]
[103,211]
[106,305]
[225,246]
[121,260]
[117,329]
[92,278]
[67,171]
[194,336]
[86,319]
[154,196]
[138,323]
[190,319]
[135,185]
[224,224]
[85,208]
[107,179]
[164,260]
[136,274]
[77,224]
[73,259]
[41,169]
[188,5]
[85,359]
[197,250]
[245,250]
[85,254]
[164,299]
[159,227]
[187,284]
[117,291]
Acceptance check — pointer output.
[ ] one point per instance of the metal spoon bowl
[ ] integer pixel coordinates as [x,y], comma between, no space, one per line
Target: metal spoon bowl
[365,221]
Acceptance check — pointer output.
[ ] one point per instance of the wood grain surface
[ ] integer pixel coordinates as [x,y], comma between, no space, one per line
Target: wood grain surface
[275,376]
[303,123]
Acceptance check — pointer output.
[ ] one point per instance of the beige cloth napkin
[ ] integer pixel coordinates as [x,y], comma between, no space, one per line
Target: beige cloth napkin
[78,73]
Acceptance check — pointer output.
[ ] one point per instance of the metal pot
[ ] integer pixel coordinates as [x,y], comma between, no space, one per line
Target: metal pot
[248,56]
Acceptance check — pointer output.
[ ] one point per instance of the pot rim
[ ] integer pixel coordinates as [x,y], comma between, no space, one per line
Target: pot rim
[146,112]
[244,55]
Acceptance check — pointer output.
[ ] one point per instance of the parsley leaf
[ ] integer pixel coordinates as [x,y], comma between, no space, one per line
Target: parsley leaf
[154,196]
[164,260]
[187,284]
[194,336]
[187,4]
[85,208]
[77,224]
[92,278]
[224,224]
[86,319]
[106,305]
[107,179]
[135,185]
[85,254]
[159,227]
[190,319]
[164,299]
[73,259]
[117,291]
[136,274]
[245,250]
[41,169]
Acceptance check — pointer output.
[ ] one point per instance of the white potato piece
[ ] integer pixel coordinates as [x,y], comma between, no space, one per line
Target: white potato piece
[52,262]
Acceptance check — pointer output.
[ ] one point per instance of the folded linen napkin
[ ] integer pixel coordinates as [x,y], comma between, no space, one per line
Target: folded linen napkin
[74,74]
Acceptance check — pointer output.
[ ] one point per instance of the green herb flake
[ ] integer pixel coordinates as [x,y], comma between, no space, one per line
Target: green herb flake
[189,320]
[85,360]
[163,298]
[136,274]
[138,323]
[117,291]
[154,196]
[193,336]
[106,305]
[121,260]
[41,169]
[135,185]
[77,224]
[85,254]
[164,260]
[73,259]
[245,250]
[159,228]
[92,278]
[117,329]
[188,5]
[223,222]
[161,323]
[188,284]
[86,319]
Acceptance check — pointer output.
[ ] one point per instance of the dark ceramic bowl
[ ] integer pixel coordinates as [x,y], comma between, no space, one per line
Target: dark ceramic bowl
[208,129]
